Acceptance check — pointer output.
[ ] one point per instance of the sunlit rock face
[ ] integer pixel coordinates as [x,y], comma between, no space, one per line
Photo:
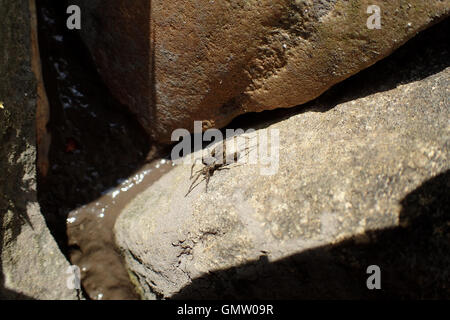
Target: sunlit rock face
[173,62]
[355,185]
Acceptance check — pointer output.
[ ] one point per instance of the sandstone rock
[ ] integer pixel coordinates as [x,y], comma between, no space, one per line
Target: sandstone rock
[31,264]
[363,183]
[175,62]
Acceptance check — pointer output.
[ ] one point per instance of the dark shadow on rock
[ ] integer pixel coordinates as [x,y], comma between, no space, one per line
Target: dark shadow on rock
[10,188]
[14,227]
[414,259]
[16,132]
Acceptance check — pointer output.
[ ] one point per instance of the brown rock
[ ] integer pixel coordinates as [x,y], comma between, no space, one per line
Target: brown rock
[175,62]
[363,183]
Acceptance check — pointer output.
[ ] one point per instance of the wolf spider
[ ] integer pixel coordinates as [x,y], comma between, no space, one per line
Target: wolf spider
[218,160]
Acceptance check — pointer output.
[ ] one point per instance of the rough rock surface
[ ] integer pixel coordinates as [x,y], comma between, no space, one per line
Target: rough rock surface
[175,62]
[363,183]
[31,264]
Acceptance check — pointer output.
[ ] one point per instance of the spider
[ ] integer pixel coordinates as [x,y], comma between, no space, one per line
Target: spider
[218,160]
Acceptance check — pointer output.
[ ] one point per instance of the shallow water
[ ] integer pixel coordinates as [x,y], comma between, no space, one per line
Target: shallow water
[89,229]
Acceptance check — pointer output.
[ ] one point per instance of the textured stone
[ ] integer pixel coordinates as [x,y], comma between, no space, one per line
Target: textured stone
[31,264]
[175,62]
[349,192]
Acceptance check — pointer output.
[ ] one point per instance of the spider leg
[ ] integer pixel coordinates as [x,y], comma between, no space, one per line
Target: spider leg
[199,171]
[193,165]
[192,185]
[208,176]
[235,165]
